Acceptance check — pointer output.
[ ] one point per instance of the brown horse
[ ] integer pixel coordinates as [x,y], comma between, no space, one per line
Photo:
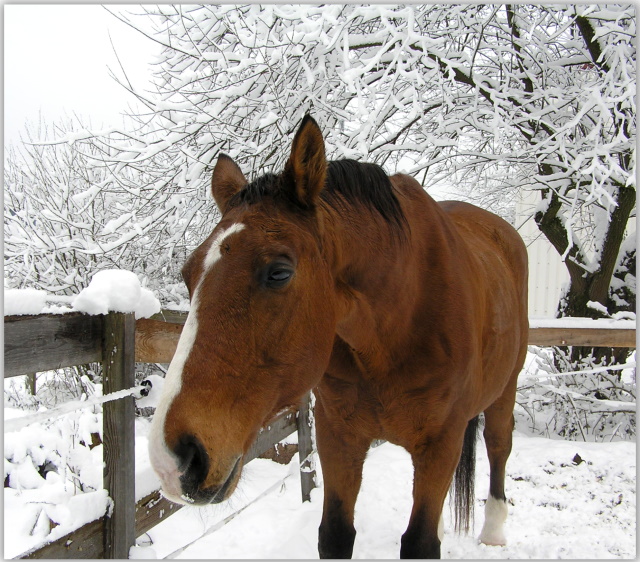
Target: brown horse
[406,317]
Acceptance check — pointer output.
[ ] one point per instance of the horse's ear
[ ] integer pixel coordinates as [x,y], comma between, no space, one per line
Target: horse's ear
[306,168]
[226,181]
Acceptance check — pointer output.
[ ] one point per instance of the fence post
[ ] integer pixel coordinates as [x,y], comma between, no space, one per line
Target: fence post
[30,383]
[118,433]
[305,450]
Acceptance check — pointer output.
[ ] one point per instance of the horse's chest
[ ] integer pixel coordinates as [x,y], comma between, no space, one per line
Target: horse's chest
[381,411]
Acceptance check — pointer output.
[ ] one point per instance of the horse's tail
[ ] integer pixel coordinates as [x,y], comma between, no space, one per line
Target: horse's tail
[464,479]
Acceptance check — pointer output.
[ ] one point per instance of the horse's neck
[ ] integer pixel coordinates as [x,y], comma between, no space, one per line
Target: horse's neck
[383,282]
[376,282]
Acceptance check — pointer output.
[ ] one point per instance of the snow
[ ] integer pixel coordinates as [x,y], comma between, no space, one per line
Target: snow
[24,301]
[109,290]
[146,479]
[51,506]
[557,509]
[116,290]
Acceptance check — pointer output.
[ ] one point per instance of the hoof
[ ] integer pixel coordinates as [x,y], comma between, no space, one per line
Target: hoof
[493,541]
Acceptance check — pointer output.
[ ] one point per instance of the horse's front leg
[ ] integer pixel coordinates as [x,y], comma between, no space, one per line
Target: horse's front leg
[342,452]
[434,466]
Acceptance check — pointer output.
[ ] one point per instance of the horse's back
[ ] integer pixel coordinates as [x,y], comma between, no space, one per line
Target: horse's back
[488,235]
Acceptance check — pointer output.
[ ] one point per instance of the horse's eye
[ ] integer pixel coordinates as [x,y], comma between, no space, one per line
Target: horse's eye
[278,275]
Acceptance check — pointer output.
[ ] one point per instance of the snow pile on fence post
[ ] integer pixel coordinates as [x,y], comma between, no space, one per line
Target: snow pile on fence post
[110,290]
[119,291]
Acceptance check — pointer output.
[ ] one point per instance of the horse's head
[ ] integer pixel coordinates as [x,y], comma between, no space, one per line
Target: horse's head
[261,327]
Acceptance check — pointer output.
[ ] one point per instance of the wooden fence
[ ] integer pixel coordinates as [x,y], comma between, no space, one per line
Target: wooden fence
[45,342]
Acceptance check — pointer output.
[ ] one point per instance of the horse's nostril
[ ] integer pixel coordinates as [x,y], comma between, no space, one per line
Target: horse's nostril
[194,463]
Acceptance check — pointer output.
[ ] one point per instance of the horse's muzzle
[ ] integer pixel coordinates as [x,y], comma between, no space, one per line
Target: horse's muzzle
[194,469]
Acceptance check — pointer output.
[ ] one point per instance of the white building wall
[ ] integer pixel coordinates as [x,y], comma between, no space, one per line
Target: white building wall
[547,272]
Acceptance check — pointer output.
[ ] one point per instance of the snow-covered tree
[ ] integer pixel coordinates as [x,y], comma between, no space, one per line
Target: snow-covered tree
[487,97]
[64,209]
[495,97]
[491,99]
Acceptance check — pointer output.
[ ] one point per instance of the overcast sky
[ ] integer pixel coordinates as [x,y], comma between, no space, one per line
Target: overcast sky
[56,61]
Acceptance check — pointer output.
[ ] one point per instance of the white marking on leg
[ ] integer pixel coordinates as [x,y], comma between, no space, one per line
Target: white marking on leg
[495,515]
[441,528]
[163,460]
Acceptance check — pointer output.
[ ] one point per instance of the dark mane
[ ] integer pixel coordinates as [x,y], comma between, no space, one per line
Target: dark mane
[358,182]
[348,181]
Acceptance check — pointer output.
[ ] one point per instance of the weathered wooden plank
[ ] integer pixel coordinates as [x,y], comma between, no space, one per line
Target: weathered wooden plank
[305,449]
[30,383]
[274,432]
[587,337]
[156,340]
[170,316]
[118,430]
[41,343]
[151,510]
[157,337]
[85,542]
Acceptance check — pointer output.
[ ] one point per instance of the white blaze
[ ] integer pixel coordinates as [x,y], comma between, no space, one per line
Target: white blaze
[162,459]
[214,254]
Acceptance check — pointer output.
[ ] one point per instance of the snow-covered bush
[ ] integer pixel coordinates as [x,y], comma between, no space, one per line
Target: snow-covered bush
[52,470]
[590,403]
[68,216]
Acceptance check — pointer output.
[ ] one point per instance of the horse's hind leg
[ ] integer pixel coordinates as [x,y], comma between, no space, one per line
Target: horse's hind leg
[498,432]
[342,455]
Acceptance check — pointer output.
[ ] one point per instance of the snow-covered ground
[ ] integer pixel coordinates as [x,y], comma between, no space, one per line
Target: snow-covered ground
[558,509]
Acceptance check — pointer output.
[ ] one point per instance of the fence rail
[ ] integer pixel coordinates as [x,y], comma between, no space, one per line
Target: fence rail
[157,337]
[47,342]
[547,336]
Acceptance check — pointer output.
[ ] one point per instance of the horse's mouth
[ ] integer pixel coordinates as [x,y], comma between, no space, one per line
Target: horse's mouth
[215,494]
